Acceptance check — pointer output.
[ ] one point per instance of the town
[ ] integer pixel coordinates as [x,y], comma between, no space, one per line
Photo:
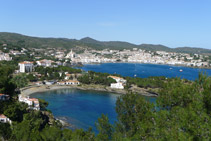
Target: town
[79,55]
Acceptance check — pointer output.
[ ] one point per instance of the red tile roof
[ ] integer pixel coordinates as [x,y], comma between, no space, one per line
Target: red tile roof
[2,116]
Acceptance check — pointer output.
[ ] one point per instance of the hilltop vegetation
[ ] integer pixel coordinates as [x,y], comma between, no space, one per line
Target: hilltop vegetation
[14,39]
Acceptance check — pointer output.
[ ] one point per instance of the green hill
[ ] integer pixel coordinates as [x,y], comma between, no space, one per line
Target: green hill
[15,39]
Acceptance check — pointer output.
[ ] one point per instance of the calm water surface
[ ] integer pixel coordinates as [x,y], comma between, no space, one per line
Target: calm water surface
[81,108]
[146,70]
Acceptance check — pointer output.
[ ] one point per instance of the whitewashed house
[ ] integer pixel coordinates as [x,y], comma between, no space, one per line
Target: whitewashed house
[61,83]
[117,85]
[44,63]
[4,119]
[32,102]
[69,82]
[118,79]
[72,82]
[4,97]
[26,66]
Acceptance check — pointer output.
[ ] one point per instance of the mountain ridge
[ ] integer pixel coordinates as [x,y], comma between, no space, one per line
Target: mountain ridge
[87,42]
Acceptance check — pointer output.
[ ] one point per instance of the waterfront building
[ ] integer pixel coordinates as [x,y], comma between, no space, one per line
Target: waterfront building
[61,83]
[117,85]
[4,119]
[26,66]
[72,82]
[118,79]
[69,82]
[32,102]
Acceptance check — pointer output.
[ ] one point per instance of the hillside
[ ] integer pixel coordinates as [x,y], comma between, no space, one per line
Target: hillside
[15,39]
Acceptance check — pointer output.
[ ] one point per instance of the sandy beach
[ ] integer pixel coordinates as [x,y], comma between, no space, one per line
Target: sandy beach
[27,91]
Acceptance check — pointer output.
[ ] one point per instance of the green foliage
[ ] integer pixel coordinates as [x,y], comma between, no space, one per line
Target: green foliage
[20,80]
[15,110]
[53,73]
[104,128]
[6,85]
[5,130]
[43,104]
[96,78]
[151,82]
[31,77]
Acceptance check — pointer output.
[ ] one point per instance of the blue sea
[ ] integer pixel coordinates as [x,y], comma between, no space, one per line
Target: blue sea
[82,108]
[147,70]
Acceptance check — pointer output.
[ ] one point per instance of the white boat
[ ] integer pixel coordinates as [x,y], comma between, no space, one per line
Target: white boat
[181,70]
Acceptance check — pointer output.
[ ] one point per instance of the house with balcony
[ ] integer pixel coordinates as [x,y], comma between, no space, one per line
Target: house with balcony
[4,119]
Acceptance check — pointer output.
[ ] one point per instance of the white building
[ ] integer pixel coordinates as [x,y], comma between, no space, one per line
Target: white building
[44,63]
[32,102]
[69,82]
[4,119]
[4,97]
[70,55]
[117,85]
[72,82]
[118,79]
[26,66]
[61,83]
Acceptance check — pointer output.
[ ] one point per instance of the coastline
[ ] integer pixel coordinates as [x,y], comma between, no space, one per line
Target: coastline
[176,65]
[27,91]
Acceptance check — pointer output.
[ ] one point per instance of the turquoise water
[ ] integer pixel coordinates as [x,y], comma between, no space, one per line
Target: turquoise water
[146,70]
[81,108]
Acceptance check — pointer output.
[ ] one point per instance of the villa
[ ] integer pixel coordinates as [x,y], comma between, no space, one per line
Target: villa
[4,119]
[32,102]
[4,97]
[118,79]
[117,85]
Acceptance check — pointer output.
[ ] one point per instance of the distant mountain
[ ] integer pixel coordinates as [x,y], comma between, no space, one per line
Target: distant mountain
[38,42]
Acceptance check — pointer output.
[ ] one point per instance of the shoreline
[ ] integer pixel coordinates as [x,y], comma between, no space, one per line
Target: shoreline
[176,65]
[27,91]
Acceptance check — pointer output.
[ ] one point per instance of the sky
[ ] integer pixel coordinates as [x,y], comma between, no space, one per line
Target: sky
[174,23]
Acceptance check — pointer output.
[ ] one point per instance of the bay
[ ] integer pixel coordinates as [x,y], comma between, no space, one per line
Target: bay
[80,108]
[146,70]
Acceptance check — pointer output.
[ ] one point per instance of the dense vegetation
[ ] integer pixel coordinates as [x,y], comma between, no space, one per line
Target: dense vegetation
[96,78]
[182,112]
[52,73]
[18,40]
